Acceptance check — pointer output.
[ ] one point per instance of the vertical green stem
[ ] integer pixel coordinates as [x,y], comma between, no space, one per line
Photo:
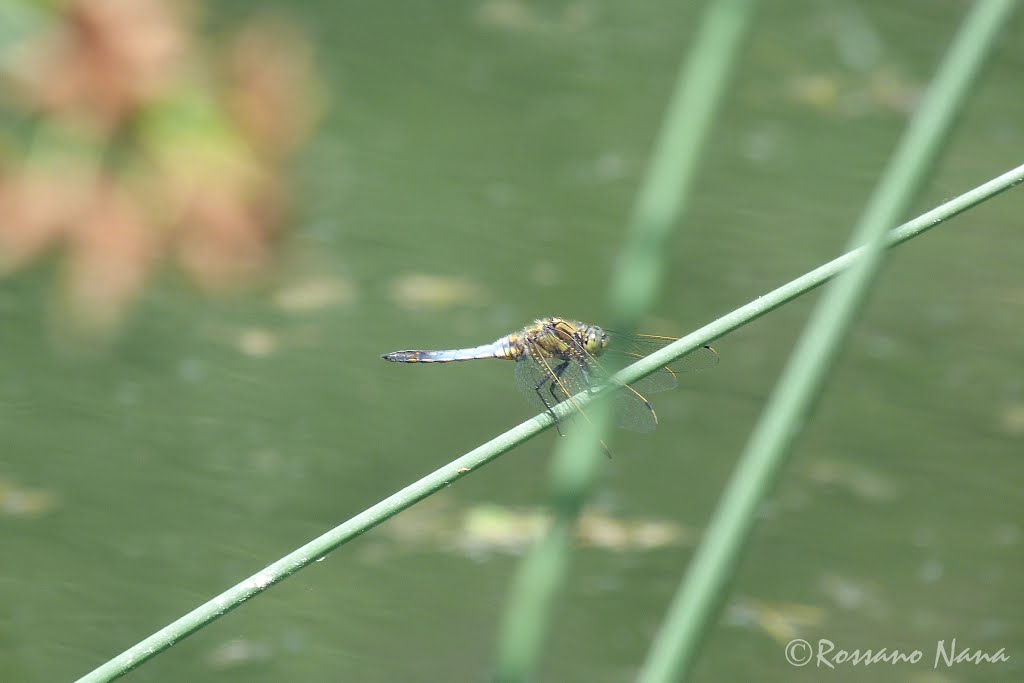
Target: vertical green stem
[661,201]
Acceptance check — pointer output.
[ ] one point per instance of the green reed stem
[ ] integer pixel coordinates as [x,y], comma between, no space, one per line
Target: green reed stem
[444,476]
[662,200]
[674,651]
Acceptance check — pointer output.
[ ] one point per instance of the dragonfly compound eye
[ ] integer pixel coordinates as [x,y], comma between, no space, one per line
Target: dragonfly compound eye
[595,341]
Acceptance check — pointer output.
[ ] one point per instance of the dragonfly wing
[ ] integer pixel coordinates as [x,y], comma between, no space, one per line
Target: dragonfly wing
[634,346]
[633,411]
[546,382]
[666,378]
[701,358]
[663,380]
[531,380]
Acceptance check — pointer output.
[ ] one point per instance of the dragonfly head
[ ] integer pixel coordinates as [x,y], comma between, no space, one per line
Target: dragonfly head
[595,340]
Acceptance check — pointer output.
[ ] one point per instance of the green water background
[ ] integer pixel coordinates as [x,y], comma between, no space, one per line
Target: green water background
[499,148]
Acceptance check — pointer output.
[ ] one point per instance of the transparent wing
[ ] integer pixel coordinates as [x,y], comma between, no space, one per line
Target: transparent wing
[633,411]
[546,382]
[625,349]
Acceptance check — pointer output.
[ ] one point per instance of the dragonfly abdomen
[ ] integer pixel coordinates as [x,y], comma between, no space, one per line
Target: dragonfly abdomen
[498,349]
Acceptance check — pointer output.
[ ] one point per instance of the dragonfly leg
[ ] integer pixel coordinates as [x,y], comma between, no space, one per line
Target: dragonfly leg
[547,379]
[552,385]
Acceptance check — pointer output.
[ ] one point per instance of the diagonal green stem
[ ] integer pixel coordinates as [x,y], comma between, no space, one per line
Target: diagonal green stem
[675,649]
[485,453]
[815,278]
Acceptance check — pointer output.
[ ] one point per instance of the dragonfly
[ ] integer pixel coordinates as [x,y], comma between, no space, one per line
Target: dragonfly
[557,358]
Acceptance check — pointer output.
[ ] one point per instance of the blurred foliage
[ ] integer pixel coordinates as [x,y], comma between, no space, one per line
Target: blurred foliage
[139,141]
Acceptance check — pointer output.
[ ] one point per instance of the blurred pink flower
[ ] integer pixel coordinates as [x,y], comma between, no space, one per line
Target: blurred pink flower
[104,59]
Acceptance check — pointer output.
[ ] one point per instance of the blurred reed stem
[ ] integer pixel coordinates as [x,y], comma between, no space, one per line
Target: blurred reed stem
[662,200]
[451,472]
[444,476]
[702,592]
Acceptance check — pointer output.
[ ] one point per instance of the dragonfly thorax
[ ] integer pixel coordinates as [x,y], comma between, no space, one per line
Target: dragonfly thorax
[561,337]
